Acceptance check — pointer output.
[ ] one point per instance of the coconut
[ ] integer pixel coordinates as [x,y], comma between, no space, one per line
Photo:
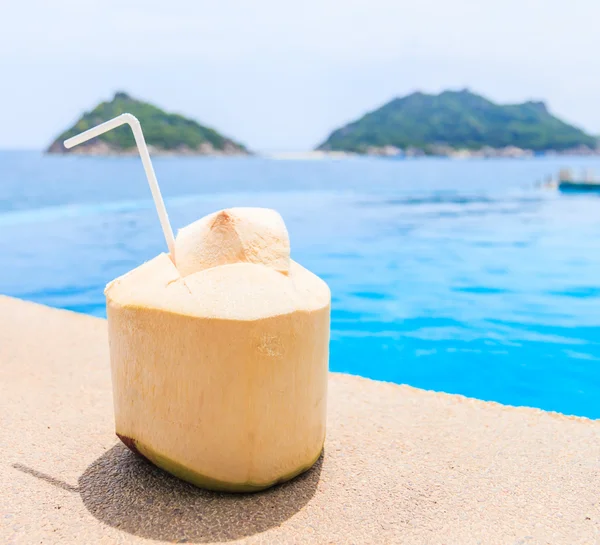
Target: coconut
[219,363]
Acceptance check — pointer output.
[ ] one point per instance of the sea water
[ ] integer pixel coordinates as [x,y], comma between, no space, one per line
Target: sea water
[457,276]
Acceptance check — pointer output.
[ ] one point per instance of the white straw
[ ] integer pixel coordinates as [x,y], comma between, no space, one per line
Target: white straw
[133,122]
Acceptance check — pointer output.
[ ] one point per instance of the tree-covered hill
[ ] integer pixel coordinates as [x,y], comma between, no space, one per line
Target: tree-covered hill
[164,132]
[460,120]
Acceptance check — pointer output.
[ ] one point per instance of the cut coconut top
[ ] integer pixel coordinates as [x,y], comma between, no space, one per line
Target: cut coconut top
[236,235]
[234,264]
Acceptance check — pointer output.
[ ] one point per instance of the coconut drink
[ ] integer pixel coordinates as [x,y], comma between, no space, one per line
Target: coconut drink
[219,350]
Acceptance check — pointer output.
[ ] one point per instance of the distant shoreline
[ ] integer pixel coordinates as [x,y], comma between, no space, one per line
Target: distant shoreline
[102,149]
[446,153]
[312,155]
[486,152]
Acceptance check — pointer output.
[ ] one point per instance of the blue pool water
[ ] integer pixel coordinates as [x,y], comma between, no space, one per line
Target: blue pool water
[458,276]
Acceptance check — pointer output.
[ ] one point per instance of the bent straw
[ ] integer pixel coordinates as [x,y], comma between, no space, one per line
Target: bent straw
[133,122]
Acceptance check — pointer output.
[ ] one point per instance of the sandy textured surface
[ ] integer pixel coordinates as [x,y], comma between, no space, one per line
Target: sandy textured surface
[401,465]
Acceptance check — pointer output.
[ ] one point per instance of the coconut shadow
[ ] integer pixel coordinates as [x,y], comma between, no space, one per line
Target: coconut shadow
[125,491]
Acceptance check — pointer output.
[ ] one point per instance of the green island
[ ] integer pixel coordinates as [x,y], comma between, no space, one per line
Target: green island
[166,133]
[455,123]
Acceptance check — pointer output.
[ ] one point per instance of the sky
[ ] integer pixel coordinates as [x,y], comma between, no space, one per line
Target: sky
[281,75]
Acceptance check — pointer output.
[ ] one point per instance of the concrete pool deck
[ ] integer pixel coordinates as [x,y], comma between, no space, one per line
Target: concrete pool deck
[401,465]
